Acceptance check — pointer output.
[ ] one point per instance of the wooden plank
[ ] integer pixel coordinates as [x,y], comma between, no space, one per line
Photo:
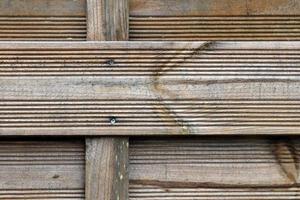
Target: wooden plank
[214,168]
[40,20]
[213,7]
[202,20]
[41,8]
[39,169]
[149,88]
[107,20]
[106,168]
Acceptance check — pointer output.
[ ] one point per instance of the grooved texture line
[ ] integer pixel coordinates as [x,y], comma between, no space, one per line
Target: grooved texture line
[37,169]
[150,88]
[203,28]
[214,168]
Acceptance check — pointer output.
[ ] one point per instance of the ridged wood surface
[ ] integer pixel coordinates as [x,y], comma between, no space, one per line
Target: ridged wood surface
[194,20]
[43,20]
[214,168]
[39,169]
[150,88]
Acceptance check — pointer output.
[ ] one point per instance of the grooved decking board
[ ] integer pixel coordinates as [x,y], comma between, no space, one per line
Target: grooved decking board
[214,168]
[37,169]
[42,20]
[149,88]
[195,20]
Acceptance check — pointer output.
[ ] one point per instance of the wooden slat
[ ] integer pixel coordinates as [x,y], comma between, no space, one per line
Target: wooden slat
[38,169]
[106,169]
[149,88]
[213,7]
[194,20]
[107,20]
[42,20]
[214,168]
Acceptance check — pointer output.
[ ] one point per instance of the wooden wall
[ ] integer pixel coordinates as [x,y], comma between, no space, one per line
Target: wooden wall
[235,74]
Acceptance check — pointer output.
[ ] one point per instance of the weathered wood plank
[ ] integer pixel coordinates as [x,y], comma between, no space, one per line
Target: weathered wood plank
[40,8]
[150,88]
[106,168]
[107,20]
[201,20]
[40,20]
[214,168]
[38,169]
[213,7]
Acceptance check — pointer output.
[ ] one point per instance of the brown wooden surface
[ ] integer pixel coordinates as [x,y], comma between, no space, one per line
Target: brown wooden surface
[35,20]
[106,169]
[107,20]
[214,20]
[149,88]
[107,158]
[41,169]
[214,168]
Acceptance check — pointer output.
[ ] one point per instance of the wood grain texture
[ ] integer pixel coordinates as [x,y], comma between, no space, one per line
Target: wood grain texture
[106,168]
[194,20]
[214,168]
[39,169]
[150,88]
[42,20]
[107,20]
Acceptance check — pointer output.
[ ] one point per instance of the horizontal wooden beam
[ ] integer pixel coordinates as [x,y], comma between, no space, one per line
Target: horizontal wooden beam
[213,7]
[42,169]
[30,8]
[134,88]
[214,168]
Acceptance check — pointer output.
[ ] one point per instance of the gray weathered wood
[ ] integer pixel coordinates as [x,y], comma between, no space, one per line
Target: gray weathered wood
[214,168]
[107,20]
[106,168]
[150,88]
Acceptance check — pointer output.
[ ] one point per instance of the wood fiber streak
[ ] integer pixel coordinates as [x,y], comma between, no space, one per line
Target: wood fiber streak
[42,20]
[34,169]
[202,20]
[214,169]
[150,88]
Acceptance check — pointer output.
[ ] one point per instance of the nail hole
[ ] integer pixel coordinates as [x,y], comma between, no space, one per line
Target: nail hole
[55,176]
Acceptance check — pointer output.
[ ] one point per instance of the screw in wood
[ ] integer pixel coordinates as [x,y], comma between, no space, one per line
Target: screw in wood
[113,120]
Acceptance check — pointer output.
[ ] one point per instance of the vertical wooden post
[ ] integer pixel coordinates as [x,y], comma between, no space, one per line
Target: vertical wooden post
[106,168]
[107,20]
[107,157]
